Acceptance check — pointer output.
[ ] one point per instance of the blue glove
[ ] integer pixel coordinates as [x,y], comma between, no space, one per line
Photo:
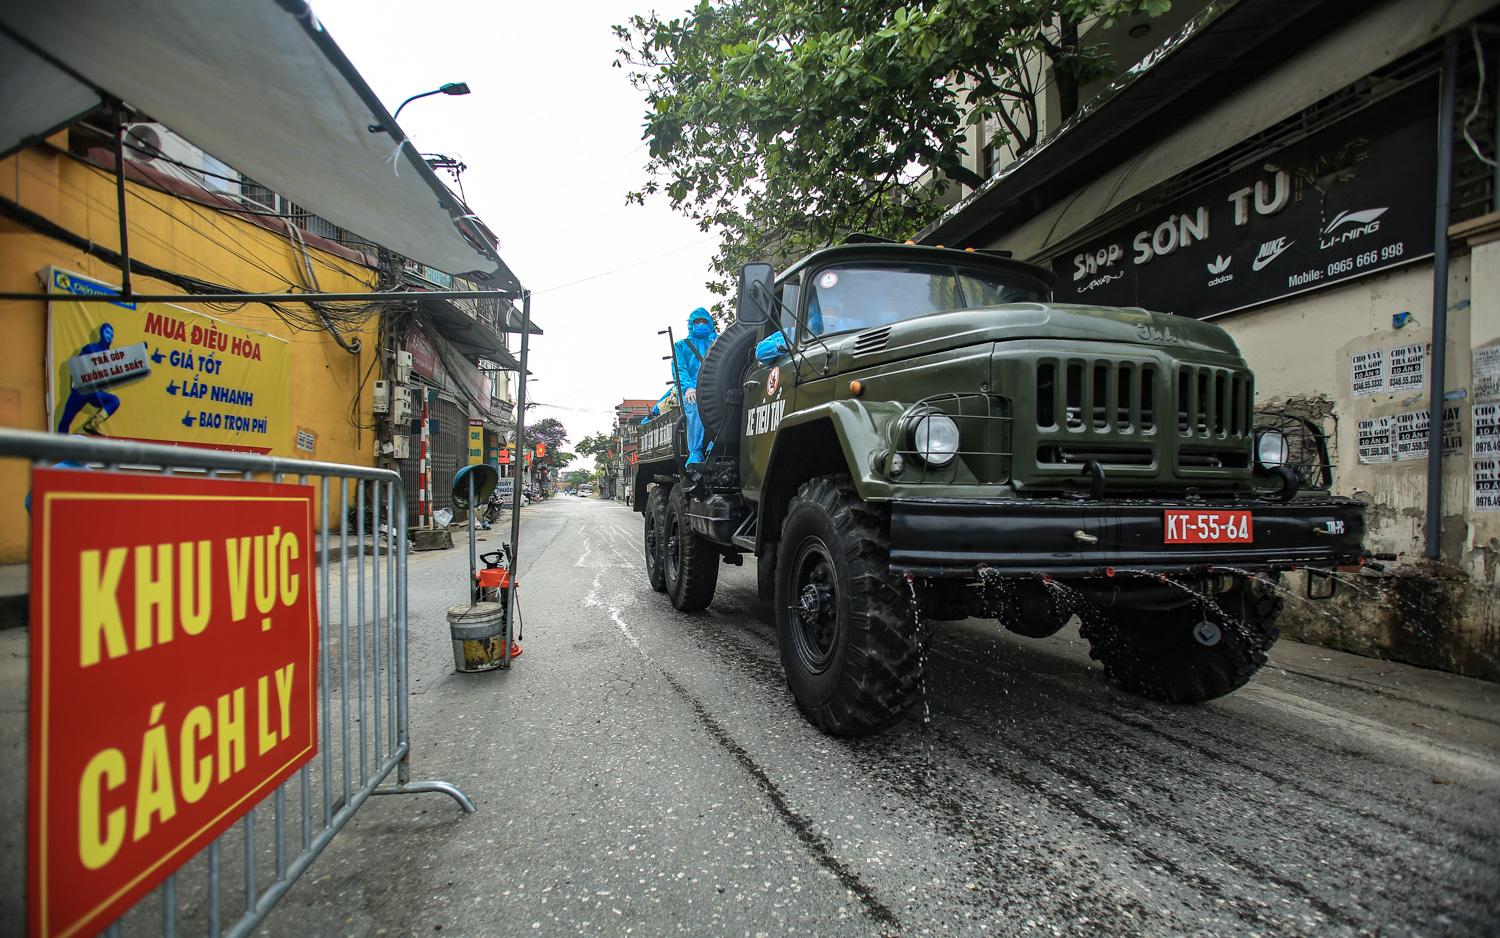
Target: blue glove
[769,349]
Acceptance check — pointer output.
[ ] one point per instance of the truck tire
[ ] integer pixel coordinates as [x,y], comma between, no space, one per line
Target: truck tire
[655,515]
[1190,654]
[851,648]
[691,567]
[723,372]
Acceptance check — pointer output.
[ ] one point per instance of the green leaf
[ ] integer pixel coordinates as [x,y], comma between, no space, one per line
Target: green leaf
[780,124]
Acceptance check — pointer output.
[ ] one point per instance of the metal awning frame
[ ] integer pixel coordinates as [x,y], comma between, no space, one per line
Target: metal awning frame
[467,224]
[397,297]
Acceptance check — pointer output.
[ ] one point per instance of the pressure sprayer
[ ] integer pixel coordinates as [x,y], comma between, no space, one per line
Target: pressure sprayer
[478,629]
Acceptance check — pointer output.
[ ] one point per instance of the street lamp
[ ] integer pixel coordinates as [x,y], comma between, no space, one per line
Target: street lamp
[453,87]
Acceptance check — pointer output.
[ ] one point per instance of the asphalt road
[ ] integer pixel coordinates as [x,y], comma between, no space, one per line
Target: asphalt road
[645,772]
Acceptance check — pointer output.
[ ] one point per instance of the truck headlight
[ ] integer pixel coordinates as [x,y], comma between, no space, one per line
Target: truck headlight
[1271,449]
[934,438]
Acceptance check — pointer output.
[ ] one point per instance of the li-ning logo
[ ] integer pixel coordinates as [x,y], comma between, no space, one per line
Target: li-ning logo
[1269,252]
[1365,222]
[1219,264]
[1354,218]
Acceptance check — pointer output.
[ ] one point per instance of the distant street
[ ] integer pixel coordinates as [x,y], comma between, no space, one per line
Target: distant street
[646,772]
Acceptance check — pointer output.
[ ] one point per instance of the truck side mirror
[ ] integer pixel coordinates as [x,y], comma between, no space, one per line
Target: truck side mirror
[757,294]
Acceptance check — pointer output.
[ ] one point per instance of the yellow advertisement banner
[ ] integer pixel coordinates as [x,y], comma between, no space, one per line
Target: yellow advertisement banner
[476,441]
[163,374]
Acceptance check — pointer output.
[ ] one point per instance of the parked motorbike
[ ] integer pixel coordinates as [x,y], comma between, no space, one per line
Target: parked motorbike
[492,508]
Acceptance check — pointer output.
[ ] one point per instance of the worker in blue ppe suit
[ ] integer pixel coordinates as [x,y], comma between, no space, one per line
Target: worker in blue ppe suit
[689,353]
[105,402]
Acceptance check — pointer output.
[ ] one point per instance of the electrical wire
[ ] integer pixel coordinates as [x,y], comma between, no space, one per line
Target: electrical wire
[336,318]
[218,209]
[87,204]
[1478,100]
[626,267]
[188,284]
[576,410]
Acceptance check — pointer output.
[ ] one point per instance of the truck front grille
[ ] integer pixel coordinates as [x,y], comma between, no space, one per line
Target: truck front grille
[1117,412]
[1213,403]
[1100,395]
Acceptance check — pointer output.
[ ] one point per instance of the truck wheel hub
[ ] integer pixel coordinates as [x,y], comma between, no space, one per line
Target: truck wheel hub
[815,614]
[815,607]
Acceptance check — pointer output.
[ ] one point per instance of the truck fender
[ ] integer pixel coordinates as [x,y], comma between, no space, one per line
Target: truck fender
[645,474]
[832,438]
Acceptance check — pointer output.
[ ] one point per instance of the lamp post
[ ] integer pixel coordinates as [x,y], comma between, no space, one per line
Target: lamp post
[452,88]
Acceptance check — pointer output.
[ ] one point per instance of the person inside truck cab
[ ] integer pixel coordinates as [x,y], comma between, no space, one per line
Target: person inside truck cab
[825,314]
[689,353]
[828,311]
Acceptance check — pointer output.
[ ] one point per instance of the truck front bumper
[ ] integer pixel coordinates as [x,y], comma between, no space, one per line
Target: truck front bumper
[953,537]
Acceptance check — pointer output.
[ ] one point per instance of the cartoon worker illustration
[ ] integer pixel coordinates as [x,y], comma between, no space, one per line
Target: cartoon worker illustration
[78,398]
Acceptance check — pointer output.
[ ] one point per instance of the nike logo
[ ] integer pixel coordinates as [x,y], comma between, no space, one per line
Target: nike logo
[1269,252]
[1220,264]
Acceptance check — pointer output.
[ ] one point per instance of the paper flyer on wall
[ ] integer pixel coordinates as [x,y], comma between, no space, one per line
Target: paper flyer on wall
[1406,369]
[1411,430]
[1367,372]
[1375,440]
[1487,375]
[1486,485]
[1486,434]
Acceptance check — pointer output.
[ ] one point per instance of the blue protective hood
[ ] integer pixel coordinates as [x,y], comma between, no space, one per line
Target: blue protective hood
[701,327]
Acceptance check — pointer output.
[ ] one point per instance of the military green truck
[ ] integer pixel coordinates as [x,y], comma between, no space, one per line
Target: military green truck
[932,439]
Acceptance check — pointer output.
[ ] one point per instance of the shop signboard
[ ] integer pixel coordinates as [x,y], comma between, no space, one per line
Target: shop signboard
[424,356]
[476,441]
[1336,205]
[173,676]
[163,374]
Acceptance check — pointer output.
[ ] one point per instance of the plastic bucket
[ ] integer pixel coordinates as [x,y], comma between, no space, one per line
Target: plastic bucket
[478,632]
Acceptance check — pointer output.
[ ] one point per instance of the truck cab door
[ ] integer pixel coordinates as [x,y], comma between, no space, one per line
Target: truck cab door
[769,394]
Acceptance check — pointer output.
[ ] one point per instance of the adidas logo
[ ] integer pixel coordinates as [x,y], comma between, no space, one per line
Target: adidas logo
[1219,264]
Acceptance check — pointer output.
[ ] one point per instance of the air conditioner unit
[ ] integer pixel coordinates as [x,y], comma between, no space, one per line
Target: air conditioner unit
[143,143]
[382,402]
[157,146]
[403,367]
[402,444]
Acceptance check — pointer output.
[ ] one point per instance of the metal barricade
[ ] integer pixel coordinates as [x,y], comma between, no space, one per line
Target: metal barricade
[251,862]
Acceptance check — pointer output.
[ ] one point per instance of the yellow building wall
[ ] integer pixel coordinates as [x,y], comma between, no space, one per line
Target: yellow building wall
[176,235]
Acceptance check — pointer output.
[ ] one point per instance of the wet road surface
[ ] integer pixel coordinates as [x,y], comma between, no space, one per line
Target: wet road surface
[643,771]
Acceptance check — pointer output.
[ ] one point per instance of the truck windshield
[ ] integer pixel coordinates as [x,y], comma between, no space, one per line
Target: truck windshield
[865,295]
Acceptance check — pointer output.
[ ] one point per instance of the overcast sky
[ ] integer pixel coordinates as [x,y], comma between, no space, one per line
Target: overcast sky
[552,138]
